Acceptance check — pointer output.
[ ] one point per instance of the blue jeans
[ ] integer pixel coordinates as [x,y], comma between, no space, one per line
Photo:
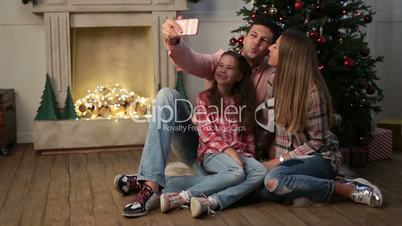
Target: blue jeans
[228,183]
[305,177]
[164,132]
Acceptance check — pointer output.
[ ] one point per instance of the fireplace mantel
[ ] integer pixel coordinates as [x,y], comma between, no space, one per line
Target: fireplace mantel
[62,15]
[44,6]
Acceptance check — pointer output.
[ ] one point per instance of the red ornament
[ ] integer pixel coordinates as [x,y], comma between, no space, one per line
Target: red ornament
[321,67]
[363,84]
[253,16]
[240,40]
[313,34]
[318,7]
[370,90]
[365,52]
[298,5]
[233,41]
[348,62]
[322,40]
[368,19]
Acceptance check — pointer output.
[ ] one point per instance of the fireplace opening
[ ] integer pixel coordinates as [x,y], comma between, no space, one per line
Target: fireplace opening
[112,71]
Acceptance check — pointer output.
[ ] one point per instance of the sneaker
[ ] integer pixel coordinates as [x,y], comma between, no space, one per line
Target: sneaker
[145,201]
[200,206]
[171,201]
[366,193]
[126,184]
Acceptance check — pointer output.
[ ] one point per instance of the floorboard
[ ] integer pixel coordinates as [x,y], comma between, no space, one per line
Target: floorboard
[77,189]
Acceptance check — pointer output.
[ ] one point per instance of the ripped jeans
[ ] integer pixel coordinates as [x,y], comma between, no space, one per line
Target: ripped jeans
[300,177]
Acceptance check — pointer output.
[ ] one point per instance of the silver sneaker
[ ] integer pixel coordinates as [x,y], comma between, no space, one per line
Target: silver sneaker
[366,193]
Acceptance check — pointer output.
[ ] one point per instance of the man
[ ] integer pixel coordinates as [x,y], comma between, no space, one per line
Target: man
[262,33]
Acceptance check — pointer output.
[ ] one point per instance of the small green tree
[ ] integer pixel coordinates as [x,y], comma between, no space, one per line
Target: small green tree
[48,106]
[69,108]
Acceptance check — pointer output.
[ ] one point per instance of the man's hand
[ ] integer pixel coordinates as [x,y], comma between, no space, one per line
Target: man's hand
[171,31]
[233,154]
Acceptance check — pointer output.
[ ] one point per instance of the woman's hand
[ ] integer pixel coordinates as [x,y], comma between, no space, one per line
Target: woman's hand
[234,155]
[271,163]
[275,162]
[171,31]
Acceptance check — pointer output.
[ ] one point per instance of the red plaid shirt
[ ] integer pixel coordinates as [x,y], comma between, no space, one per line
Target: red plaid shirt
[218,132]
[317,137]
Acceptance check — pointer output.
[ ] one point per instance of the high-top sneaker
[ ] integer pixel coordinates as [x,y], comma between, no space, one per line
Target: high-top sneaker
[126,183]
[145,201]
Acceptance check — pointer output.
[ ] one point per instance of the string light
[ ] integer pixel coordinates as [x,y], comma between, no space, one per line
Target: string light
[112,102]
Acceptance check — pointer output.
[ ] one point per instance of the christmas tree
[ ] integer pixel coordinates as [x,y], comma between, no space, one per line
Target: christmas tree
[343,53]
[48,106]
[69,108]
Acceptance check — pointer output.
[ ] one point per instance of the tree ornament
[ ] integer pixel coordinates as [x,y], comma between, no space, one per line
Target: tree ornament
[321,67]
[273,11]
[313,34]
[318,7]
[322,40]
[370,90]
[362,84]
[233,41]
[298,5]
[368,19]
[365,52]
[240,40]
[348,62]
[253,16]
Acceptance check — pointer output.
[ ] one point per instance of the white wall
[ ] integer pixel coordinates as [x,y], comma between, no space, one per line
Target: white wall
[22,61]
[385,38]
[23,64]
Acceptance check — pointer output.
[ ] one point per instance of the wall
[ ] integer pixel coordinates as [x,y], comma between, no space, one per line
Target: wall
[22,51]
[22,61]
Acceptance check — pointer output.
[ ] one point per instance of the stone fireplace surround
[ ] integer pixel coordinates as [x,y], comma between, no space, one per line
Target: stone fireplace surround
[62,15]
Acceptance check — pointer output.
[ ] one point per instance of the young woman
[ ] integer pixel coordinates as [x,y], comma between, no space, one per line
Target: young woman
[224,116]
[306,152]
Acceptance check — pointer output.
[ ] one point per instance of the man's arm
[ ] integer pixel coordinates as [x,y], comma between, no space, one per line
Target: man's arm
[186,59]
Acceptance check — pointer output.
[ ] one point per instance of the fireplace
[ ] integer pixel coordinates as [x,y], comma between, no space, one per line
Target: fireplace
[103,42]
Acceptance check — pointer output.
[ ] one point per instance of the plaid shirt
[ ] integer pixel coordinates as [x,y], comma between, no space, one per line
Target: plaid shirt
[218,132]
[317,138]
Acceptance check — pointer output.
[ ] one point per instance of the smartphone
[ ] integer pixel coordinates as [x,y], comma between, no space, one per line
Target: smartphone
[189,26]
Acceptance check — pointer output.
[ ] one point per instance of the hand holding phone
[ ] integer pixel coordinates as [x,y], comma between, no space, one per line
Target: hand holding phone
[188,26]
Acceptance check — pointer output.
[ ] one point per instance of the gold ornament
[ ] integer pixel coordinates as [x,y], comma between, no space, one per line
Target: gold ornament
[273,11]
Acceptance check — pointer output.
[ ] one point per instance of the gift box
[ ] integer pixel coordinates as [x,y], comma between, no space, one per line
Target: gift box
[380,146]
[358,156]
[396,127]
[345,151]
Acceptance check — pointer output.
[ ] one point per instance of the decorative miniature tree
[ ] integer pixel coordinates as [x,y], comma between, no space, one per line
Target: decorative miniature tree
[69,107]
[48,106]
[343,53]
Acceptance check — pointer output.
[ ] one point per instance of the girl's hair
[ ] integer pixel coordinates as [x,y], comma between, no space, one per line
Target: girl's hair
[296,74]
[243,91]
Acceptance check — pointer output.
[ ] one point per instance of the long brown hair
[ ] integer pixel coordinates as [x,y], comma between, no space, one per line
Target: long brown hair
[297,74]
[243,90]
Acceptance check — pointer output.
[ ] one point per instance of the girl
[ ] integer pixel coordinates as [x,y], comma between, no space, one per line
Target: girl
[307,158]
[224,117]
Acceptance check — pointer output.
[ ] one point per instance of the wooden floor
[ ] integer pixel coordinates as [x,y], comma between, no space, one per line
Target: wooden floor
[77,190]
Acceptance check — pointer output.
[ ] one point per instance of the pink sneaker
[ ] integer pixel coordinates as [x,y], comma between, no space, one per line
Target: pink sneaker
[200,206]
[171,201]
